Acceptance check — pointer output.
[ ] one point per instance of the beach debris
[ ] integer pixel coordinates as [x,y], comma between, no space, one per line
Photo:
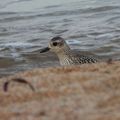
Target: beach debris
[110,61]
[19,80]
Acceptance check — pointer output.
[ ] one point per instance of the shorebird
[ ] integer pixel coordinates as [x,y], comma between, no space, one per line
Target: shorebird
[66,55]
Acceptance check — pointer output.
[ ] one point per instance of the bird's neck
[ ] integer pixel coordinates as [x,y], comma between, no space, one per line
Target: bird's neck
[64,52]
[65,56]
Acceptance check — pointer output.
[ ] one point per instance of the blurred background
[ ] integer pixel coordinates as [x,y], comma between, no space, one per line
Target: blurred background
[26,26]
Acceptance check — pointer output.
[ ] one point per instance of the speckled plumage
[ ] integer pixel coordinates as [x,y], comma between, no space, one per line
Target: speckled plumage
[72,57]
[66,55]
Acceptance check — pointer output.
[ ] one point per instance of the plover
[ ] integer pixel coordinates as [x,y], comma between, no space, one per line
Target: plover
[66,55]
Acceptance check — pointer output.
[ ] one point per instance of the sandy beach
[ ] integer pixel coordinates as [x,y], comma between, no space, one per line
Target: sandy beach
[86,92]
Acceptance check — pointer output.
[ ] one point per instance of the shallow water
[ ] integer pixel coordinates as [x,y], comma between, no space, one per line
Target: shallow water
[27,25]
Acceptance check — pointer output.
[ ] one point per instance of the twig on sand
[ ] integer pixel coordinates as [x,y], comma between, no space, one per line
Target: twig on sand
[19,80]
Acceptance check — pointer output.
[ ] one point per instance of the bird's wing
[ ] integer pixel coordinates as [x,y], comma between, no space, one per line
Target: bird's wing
[89,54]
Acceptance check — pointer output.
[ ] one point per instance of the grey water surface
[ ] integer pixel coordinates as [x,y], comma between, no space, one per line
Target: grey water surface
[26,26]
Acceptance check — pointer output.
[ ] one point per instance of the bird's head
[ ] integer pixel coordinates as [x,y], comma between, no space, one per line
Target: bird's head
[56,44]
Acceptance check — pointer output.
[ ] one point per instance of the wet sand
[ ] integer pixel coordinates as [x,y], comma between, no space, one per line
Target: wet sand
[86,92]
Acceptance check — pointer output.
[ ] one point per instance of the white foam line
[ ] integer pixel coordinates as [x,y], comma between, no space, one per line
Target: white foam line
[73,42]
[18,44]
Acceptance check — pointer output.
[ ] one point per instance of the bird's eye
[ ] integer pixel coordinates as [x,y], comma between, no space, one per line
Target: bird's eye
[55,43]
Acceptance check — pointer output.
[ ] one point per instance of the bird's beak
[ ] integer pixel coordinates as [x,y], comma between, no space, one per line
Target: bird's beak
[44,50]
